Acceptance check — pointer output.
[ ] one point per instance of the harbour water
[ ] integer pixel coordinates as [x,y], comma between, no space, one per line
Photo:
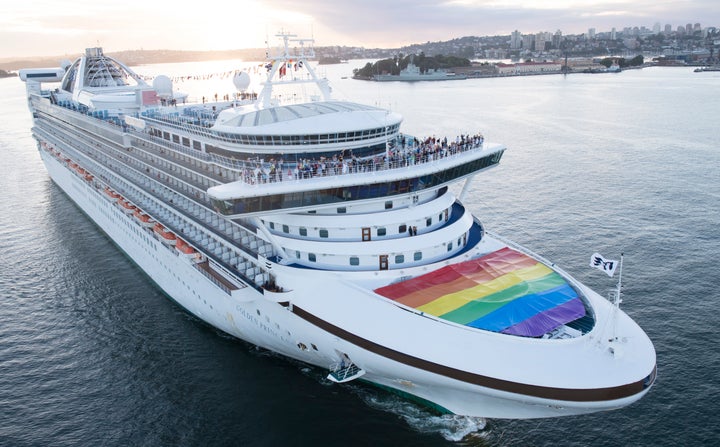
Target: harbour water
[92,353]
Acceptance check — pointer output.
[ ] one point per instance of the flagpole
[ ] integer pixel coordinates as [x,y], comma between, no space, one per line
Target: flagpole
[619,284]
[617,302]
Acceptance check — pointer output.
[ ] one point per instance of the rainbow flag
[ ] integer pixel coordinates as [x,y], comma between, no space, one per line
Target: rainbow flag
[504,291]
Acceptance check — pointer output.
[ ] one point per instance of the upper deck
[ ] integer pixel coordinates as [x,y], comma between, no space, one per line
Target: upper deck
[280,186]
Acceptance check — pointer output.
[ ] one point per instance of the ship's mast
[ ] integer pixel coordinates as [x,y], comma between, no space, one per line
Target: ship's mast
[281,65]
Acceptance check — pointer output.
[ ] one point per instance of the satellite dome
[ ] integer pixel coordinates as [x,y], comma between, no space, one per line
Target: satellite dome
[241,81]
[163,85]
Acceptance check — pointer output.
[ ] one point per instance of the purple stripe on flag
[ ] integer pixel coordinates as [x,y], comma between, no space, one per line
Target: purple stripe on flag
[548,320]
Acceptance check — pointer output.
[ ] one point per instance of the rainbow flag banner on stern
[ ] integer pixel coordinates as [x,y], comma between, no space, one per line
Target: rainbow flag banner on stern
[504,291]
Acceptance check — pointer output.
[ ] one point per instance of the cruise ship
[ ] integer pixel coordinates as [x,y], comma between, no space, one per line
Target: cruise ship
[316,229]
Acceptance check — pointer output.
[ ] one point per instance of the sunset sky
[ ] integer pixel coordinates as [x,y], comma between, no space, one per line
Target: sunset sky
[51,27]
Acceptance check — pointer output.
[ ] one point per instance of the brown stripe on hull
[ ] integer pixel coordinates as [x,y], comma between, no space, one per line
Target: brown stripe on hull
[566,394]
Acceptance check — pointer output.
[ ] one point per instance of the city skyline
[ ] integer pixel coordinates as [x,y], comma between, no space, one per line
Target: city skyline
[45,28]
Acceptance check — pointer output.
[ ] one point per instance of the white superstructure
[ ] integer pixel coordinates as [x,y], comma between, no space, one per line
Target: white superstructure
[317,230]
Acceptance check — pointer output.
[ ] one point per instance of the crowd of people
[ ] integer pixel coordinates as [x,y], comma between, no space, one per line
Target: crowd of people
[402,152]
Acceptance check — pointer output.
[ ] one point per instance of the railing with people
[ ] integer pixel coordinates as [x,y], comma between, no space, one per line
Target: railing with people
[408,153]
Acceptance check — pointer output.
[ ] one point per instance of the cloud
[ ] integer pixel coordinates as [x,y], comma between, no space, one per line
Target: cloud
[47,27]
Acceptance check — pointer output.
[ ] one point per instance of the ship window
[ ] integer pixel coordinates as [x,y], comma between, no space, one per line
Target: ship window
[311,257]
[402,228]
[439,217]
[197,145]
[342,210]
[272,225]
[323,233]
[166,135]
[381,232]
[399,259]
[388,205]
[354,260]
[286,229]
[297,254]
[303,231]
[449,246]
[417,256]
[186,141]
[175,138]
[428,221]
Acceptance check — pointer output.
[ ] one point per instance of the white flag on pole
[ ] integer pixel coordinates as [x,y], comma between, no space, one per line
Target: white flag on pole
[606,265]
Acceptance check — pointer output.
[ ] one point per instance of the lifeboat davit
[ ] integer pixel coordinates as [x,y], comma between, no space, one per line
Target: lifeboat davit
[166,236]
[144,219]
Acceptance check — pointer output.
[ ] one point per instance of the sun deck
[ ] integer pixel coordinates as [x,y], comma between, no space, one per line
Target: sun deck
[505,291]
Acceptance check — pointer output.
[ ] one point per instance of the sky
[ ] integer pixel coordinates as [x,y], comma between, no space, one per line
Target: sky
[32,28]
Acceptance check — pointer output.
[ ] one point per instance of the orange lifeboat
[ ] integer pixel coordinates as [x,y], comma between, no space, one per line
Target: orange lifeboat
[110,194]
[184,248]
[88,177]
[144,219]
[166,236]
[126,206]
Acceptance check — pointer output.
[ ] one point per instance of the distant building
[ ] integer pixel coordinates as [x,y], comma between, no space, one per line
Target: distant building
[528,41]
[528,68]
[591,33]
[516,40]
[542,41]
[668,29]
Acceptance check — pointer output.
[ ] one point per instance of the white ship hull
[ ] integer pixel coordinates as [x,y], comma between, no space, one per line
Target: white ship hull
[361,262]
[258,319]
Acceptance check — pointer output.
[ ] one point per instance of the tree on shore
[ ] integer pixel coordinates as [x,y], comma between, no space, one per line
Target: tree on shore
[400,62]
[622,62]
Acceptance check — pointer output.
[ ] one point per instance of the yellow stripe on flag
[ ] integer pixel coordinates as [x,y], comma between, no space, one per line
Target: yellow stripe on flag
[448,303]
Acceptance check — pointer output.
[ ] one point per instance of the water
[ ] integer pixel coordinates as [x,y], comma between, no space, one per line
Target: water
[91,353]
